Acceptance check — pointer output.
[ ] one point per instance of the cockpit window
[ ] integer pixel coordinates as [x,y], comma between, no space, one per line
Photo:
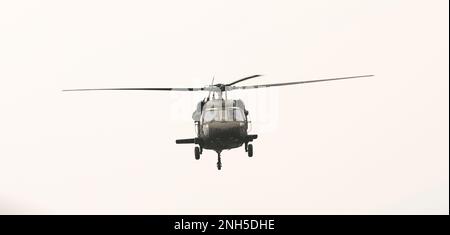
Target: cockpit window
[211,115]
[227,114]
[234,114]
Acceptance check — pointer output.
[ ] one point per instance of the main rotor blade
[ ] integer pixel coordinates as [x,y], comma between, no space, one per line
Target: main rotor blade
[212,84]
[141,89]
[295,83]
[243,79]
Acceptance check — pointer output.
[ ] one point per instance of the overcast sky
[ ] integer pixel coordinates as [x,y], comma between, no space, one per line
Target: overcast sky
[367,146]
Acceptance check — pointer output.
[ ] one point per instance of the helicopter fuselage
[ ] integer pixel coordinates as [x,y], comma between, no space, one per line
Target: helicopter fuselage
[221,125]
[221,135]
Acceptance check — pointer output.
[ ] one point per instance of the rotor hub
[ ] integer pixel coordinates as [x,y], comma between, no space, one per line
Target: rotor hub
[220,86]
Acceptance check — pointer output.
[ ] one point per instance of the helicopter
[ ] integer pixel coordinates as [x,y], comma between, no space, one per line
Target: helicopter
[222,123]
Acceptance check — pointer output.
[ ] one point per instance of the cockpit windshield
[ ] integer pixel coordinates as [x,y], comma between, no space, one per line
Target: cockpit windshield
[227,114]
[234,114]
[211,115]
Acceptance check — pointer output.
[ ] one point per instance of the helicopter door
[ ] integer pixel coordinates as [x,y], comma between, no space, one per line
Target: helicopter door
[197,128]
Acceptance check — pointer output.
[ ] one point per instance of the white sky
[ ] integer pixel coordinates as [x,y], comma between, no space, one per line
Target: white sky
[368,146]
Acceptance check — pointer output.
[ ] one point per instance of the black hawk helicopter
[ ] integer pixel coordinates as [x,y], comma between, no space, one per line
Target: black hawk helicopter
[221,123]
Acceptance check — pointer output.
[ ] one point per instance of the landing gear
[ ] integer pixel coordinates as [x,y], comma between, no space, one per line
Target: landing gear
[250,150]
[219,163]
[197,153]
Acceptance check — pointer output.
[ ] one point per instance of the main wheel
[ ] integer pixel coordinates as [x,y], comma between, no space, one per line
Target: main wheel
[250,150]
[197,153]
[219,165]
